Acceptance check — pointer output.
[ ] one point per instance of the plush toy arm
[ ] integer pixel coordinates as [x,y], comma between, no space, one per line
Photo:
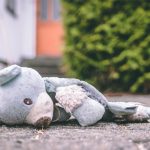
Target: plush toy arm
[94,93]
[9,73]
[51,84]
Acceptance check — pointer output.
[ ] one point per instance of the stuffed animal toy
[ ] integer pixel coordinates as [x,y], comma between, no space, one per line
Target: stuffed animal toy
[23,98]
[88,105]
[27,98]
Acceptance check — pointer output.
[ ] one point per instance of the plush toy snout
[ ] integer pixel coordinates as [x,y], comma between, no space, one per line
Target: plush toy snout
[42,112]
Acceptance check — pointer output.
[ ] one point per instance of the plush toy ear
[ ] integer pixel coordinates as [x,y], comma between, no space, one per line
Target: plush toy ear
[9,73]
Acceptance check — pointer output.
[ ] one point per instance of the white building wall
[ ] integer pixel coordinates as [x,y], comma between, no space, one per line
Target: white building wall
[17,35]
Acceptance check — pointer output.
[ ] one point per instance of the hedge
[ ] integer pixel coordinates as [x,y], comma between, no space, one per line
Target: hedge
[107,43]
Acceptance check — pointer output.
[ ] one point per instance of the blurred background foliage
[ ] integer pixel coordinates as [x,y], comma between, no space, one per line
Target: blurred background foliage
[108,43]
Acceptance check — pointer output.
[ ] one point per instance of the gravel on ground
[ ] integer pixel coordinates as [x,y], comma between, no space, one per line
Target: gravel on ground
[69,135]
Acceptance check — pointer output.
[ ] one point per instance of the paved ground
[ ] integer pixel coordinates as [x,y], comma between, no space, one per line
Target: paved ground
[102,136]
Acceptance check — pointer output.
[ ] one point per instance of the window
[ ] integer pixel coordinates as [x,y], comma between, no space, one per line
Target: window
[44,9]
[56,9]
[49,10]
[11,7]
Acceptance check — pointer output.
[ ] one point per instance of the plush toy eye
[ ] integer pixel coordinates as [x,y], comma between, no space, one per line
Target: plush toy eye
[27,101]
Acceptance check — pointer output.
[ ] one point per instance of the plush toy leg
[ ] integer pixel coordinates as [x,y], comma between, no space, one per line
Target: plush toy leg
[89,112]
[122,108]
[130,111]
[142,114]
[60,115]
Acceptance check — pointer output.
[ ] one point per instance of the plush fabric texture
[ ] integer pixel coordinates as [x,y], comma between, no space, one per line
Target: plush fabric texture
[71,97]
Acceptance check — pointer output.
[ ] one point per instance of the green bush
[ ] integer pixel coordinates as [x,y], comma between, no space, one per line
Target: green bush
[108,43]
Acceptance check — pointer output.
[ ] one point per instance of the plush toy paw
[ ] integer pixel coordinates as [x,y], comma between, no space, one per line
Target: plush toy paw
[142,114]
[89,112]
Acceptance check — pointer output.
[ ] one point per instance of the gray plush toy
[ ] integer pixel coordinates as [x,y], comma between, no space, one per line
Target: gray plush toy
[88,105]
[23,98]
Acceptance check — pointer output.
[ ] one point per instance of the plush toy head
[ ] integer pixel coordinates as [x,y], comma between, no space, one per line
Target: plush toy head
[23,98]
